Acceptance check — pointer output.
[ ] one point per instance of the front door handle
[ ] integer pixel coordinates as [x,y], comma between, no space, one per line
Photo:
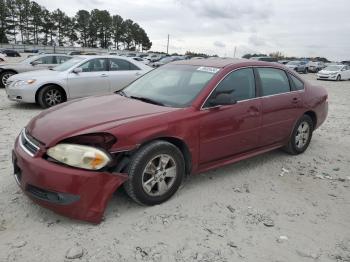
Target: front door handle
[103,75]
[138,74]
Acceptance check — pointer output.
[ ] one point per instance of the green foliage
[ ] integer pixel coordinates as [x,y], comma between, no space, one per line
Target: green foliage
[248,56]
[31,23]
[279,55]
[194,54]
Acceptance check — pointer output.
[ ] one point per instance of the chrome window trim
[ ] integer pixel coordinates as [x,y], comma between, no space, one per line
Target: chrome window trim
[23,135]
[206,108]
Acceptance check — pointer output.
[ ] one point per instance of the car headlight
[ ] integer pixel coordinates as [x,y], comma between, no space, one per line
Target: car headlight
[333,74]
[24,82]
[81,156]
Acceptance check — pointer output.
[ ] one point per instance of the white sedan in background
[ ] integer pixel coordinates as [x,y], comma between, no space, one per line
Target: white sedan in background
[141,60]
[334,72]
[79,77]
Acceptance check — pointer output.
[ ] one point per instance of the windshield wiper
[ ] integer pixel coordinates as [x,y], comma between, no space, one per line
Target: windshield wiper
[121,92]
[147,100]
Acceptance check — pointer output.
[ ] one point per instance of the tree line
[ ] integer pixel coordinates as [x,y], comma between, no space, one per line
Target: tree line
[280,56]
[27,22]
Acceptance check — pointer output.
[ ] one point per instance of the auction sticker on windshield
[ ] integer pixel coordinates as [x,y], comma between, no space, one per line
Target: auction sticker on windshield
[212,70]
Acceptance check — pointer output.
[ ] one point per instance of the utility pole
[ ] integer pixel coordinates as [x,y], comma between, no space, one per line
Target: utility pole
[167,46]
[234,53]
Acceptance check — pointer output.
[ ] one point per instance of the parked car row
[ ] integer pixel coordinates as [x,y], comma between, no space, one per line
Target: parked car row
[10,52]
[79,77]
[32,63]
[314,67]
[183,118]
[334,72]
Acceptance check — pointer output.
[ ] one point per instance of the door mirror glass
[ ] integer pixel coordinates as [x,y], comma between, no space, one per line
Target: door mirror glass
[77,70]
[222,100]
[34,63]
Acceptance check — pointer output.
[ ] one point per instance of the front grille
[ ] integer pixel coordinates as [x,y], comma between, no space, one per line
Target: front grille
[28,143]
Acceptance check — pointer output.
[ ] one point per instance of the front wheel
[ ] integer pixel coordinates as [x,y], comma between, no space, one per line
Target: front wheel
[50,96]
[4,76]
[339,78]
[155,173]
[301,136]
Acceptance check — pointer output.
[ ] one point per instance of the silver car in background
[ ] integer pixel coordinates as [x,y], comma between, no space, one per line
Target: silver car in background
[81,76]
[38,62]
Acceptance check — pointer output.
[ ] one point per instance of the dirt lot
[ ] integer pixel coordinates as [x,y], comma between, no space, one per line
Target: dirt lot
[274,207]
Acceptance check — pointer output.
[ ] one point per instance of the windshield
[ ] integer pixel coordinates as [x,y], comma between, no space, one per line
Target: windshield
[293,63]
[66,65]
[333,68]
[172,85]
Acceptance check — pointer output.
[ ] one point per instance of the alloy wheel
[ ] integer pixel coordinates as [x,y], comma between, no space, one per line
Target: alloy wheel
[53,97]
[159,175]
[5,77]
[302,135]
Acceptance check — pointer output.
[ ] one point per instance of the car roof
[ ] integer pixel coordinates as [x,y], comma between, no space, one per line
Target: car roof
[223,62]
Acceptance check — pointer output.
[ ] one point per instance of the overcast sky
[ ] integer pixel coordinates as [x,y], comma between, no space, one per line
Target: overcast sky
[294,27]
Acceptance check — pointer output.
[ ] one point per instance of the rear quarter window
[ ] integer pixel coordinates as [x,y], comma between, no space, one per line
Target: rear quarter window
[297,84]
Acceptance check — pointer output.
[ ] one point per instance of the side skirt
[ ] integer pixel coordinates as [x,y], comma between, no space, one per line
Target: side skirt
[236,158]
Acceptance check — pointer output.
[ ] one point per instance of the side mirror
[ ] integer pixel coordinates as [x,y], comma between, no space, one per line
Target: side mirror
[77,70]
[222,100]
[34,63]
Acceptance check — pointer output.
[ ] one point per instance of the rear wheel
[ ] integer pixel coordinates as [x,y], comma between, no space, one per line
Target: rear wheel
[301,136]
[50,96]
[4,76]
[155,173]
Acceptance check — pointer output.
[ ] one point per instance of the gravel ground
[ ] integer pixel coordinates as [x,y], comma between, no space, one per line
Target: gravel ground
[274,207]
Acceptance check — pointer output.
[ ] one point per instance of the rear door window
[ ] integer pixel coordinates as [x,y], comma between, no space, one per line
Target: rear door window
[273,81]
[46,60]
[121,65]
[62,59]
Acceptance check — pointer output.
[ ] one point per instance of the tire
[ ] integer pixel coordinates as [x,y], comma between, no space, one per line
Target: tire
[4,76]
[338,78]
[147,179]
[298,143]
[50,96]
[305,71]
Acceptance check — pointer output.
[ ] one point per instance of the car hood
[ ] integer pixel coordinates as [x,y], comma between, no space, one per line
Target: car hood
[89,115]
[291,66]
[9,65]
[34,74]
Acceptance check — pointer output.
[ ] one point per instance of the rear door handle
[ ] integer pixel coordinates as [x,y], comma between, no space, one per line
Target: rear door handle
[253,111]
[138,74]
[103,75]
[295,100]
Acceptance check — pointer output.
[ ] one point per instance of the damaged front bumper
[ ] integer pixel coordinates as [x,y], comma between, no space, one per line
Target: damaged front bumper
[76,193]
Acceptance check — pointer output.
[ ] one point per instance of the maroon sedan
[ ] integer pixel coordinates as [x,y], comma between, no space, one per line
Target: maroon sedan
[184,118]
